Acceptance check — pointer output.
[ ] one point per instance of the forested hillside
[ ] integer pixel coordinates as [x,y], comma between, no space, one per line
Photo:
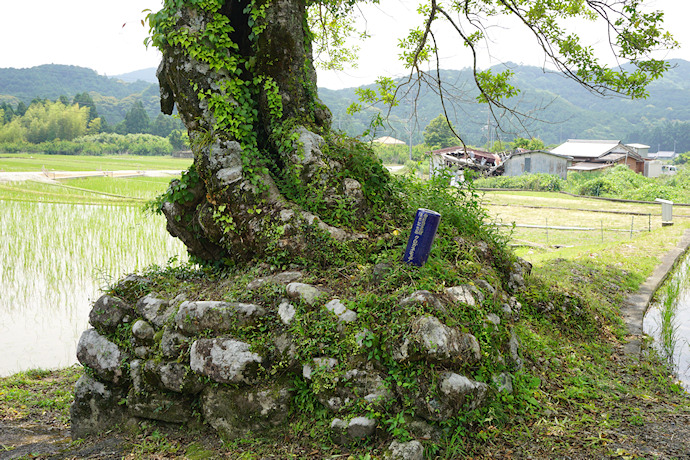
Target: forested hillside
[557,109]
[113,96]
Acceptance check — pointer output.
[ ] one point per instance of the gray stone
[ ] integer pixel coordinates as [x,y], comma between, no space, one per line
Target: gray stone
[305,292]
[143,331]
[422,298]
[503,382]
[196,317]
[224,360]
[173,376]
[513,348]
[108,313]
[344,432]
[361,336]
[343,313]
[348,316]
[136,373]
[310,147]
[173,344]
[433,340]
[353,189]
[458,390]
[318,363]
[132,284]
[462,294]
[141,351]
[412,450]
[96,407]
[357,384]
[279,278]
[493,319]
[486,286]
[101,355]
[235,412]
[361,427]
[172,408]
[285,346]
[420,429]
[454,394]
[286,312]
[154,310]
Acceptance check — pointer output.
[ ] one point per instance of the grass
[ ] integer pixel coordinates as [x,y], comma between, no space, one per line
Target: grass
[577,396]
[637,254]
[17,162]
[38,394]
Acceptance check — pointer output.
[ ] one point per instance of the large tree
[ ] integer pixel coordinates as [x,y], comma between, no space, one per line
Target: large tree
[269,175]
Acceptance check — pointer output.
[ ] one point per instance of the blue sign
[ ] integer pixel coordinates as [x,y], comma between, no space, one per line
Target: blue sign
[421,237]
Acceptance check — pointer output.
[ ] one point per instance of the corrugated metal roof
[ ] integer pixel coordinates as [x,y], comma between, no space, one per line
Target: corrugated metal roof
[584,148]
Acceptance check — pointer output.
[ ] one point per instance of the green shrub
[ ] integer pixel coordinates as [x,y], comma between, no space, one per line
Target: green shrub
[535,182]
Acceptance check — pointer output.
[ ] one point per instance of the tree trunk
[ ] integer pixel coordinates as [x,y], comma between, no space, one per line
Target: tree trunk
[267,169]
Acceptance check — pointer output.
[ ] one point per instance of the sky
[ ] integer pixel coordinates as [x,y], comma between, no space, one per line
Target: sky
[108,37]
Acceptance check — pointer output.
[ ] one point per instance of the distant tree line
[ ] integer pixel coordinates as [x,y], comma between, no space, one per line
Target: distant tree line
[63,121]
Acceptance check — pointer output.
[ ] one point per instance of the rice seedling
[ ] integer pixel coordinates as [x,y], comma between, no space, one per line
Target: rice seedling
[667,321]
[54,259]
[39,162]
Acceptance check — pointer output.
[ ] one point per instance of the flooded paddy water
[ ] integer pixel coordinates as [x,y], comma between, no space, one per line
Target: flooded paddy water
[54,261]
[668,321]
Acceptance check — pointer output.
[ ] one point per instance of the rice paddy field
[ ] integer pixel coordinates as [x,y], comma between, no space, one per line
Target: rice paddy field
[16,162]
[551,220]
[61,242]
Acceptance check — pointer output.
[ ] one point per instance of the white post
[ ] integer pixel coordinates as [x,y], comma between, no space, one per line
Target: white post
[666,212]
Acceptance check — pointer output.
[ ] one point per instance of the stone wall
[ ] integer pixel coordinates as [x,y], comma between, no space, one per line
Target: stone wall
[175,359]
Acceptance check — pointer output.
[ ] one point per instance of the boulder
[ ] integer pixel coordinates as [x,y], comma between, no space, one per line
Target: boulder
[357,384]
[166,407]
[459,390]
[279,278]
[235,412]
[196,317]
[286,312]
[345,432]
[109,312]
[173,344]
[343,313]
[101,355]
[224,360]
[453,394]
[305,292]
[96,407]
[432,340]
[143,331]
[412,450]
[465,293]
[422,298]
[173,376]
[154,310]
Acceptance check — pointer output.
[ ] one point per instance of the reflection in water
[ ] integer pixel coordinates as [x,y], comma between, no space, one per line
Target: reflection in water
[668,321]
[54,259]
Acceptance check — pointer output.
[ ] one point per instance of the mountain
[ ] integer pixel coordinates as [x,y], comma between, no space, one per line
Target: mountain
[554,108]
[113,96]
[147,75]
[51,81]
